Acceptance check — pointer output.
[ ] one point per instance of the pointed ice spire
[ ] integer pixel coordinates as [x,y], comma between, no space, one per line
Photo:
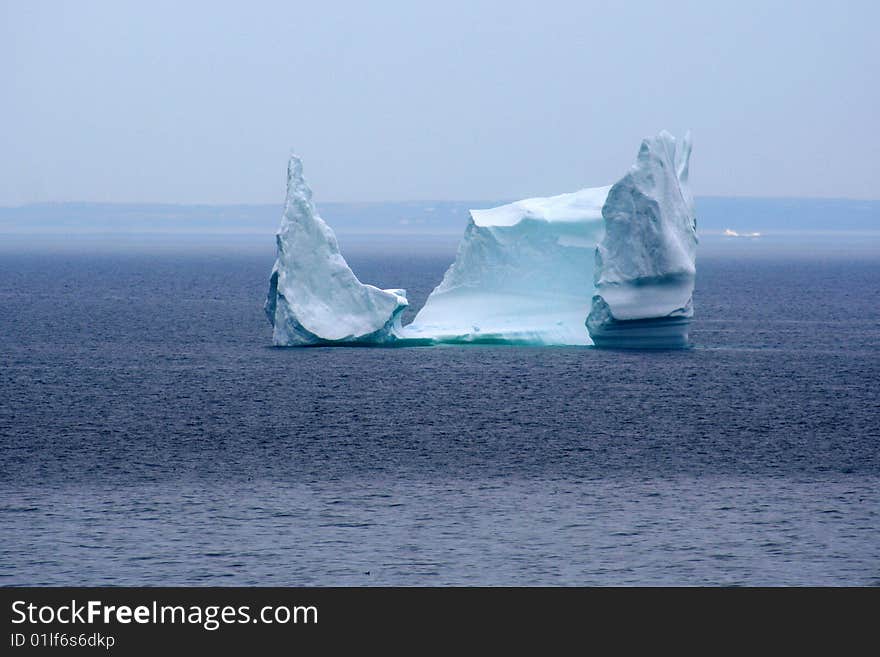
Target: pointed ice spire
[314,297]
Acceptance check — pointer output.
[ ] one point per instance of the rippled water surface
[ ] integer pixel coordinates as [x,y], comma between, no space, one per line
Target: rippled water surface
[150,435]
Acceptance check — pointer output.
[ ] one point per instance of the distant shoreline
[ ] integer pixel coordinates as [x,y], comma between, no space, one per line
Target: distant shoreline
[714,215]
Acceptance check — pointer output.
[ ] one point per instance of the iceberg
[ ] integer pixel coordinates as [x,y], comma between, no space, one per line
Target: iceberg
[314,297]
[523,274]
[621,257]
[646,260]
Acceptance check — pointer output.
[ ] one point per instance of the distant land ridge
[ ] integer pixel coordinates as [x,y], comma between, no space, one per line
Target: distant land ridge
[714,215]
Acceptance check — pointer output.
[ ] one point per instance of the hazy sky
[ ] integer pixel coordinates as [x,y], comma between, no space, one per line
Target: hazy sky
[201,102]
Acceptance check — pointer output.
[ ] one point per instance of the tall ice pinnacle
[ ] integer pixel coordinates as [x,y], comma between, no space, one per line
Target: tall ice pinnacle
[645,263]
[314,297]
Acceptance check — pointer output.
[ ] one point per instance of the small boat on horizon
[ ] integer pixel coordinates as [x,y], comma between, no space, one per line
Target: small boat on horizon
[732,233]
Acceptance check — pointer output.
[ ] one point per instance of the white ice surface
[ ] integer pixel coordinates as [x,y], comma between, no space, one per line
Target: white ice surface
[572,207]
[523,274]
[314,297]
[646,261]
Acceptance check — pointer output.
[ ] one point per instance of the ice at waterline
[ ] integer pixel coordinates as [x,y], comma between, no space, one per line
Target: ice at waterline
[607,266]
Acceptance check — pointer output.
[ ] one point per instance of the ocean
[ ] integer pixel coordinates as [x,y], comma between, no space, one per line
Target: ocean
[151,435]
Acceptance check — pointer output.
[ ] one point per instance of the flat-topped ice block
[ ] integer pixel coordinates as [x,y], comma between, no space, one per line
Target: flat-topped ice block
[523,274]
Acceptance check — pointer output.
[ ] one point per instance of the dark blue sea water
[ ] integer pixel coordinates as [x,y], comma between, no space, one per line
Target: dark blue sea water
[149,434]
